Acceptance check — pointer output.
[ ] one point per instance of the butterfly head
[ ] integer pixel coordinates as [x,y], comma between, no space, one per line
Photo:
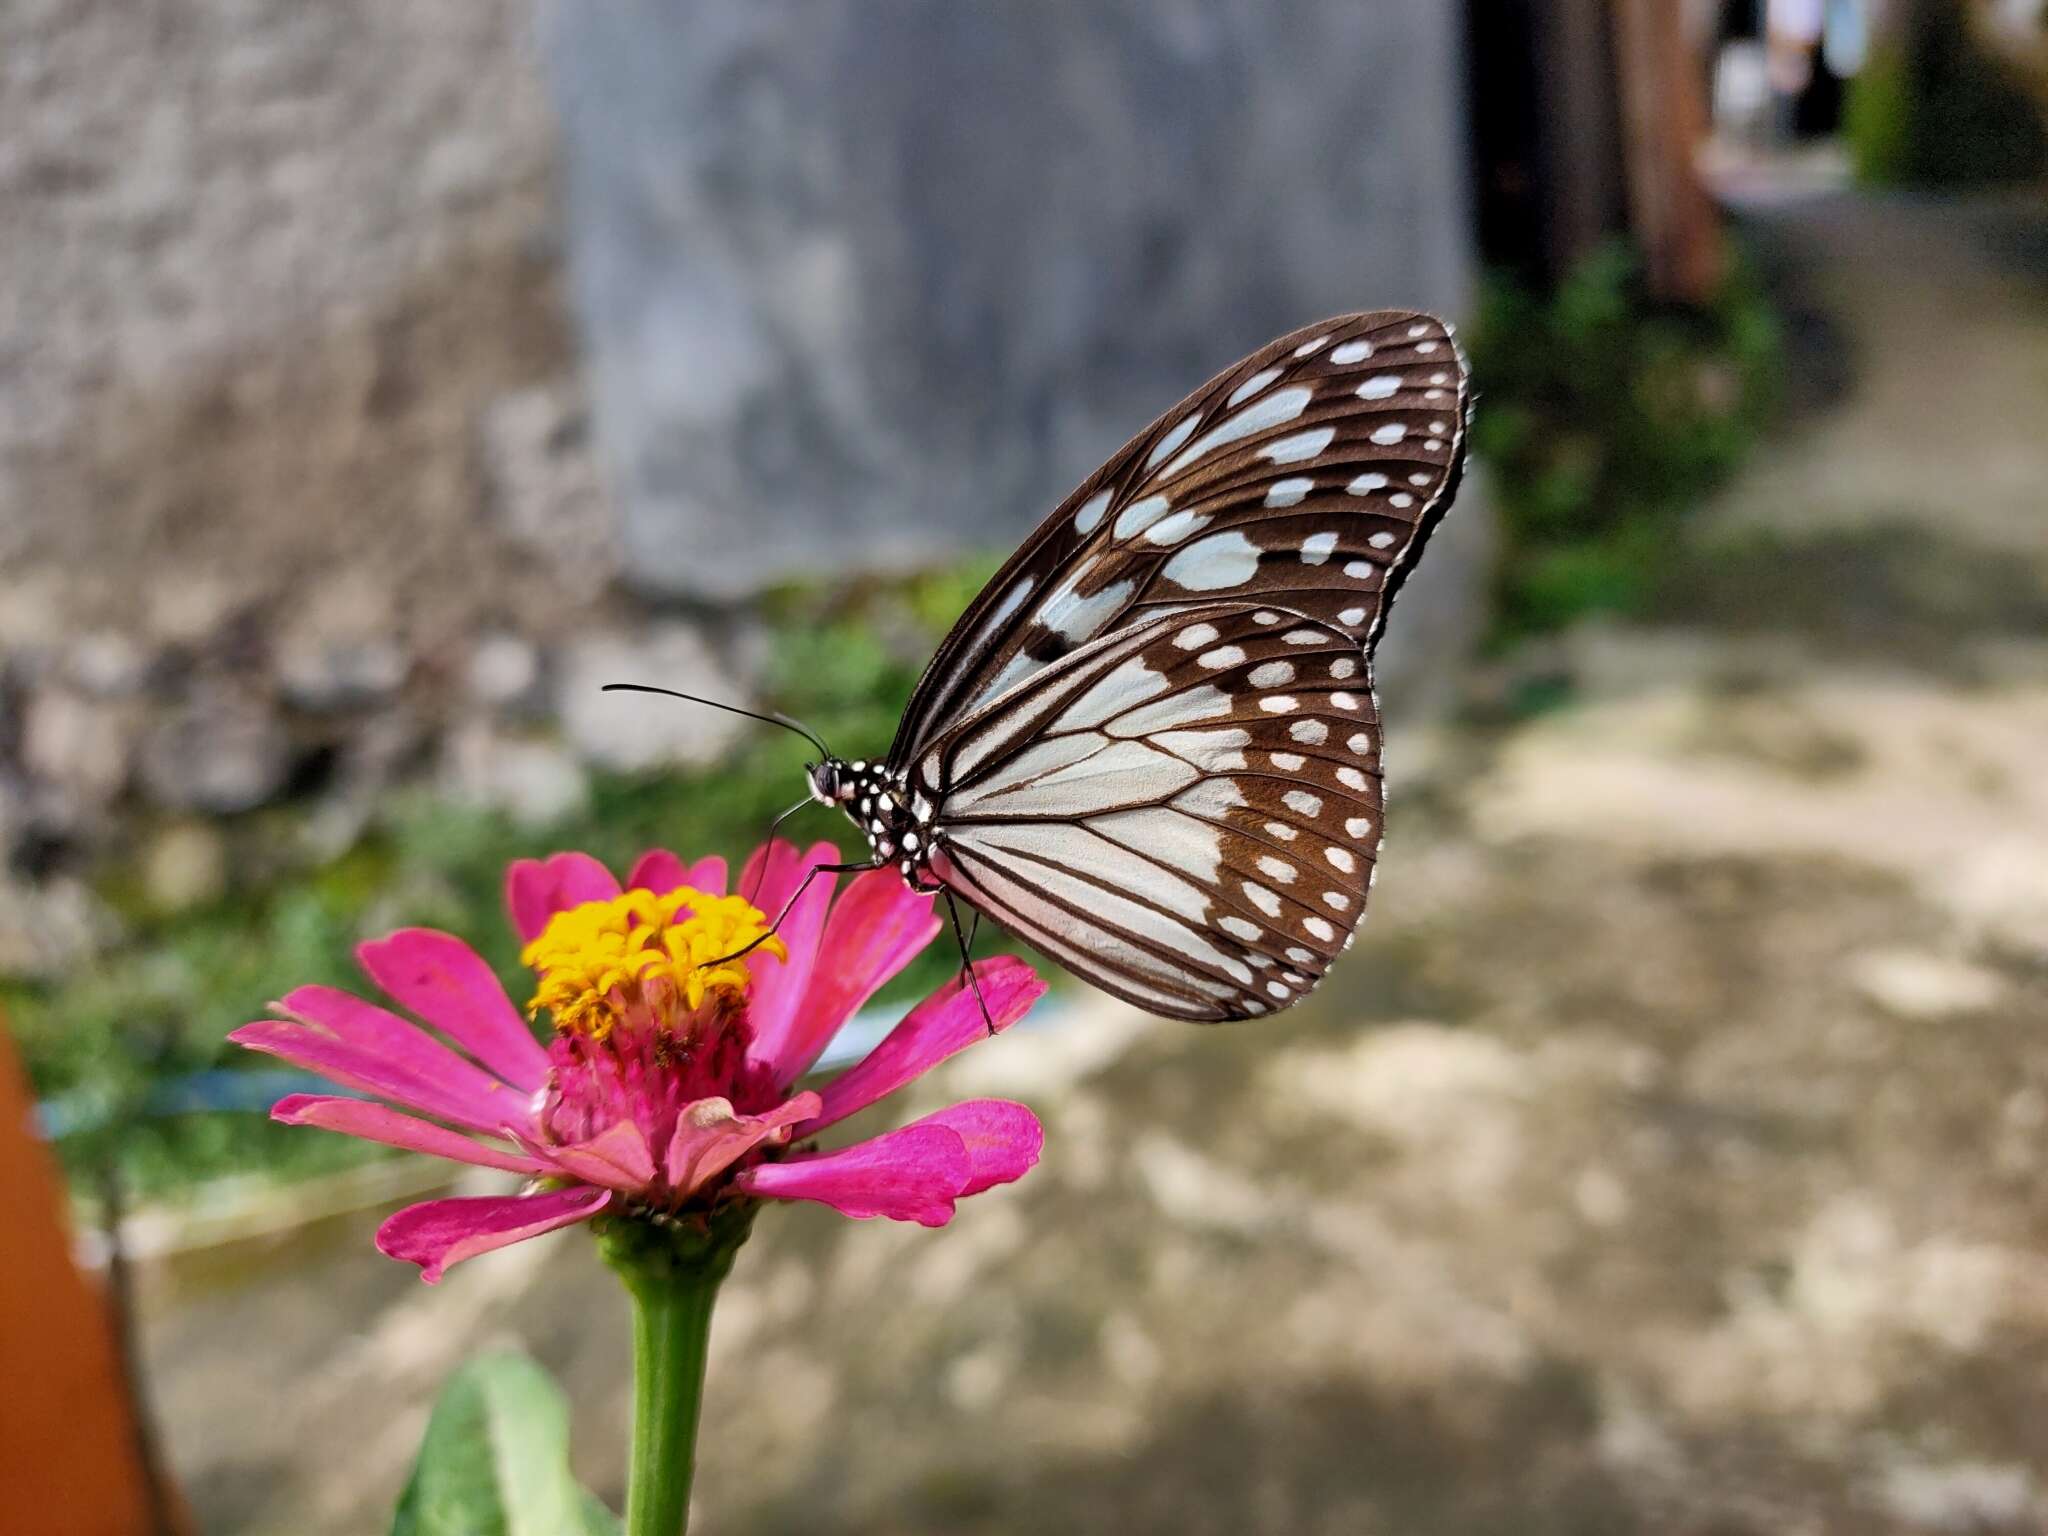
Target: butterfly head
[831,782]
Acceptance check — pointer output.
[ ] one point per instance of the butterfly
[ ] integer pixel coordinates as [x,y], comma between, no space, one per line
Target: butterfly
[1150,747]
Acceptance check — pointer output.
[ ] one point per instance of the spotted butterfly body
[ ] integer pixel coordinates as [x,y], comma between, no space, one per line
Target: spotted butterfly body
[1150,746]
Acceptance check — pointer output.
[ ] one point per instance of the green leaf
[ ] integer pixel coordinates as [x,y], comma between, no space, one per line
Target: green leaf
[495,1460]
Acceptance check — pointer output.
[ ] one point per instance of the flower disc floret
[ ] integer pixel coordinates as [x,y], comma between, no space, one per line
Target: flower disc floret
[597,958]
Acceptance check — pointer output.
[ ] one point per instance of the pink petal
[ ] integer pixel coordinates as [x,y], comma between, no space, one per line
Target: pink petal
[660,871]
[776,994]
[438,1233]
[913,1174]
[947,1021]
[876,929]
[536,889]
[1003,1139]
[709,1137]
[360,1045]
[374,1122]
[617,1158]
[447,983]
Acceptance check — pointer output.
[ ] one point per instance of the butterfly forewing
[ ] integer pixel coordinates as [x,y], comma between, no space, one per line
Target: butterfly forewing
[1184,812]
[1305,476]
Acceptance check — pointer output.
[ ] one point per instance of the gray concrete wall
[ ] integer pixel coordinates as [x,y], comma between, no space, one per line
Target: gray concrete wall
[867,283]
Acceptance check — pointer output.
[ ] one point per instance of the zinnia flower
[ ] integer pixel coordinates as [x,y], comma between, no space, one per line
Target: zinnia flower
[667,1089]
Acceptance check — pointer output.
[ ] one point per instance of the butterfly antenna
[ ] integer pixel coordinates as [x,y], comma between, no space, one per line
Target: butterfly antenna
[967,958]
[771,718]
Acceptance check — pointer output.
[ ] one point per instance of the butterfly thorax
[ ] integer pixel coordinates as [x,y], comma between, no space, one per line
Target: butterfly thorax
[896,822]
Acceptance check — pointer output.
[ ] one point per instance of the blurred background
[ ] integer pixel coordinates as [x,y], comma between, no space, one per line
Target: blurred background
[377,380]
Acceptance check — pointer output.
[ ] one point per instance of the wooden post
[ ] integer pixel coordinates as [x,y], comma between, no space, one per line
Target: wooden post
[1664,121]
[1581,163]
[71,1457]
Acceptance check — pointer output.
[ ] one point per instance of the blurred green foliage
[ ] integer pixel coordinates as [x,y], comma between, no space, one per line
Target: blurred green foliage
[1602,417]
[157,1008]
[1935,111]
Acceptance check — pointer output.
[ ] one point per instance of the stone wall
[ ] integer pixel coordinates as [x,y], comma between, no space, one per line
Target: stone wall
[888,281]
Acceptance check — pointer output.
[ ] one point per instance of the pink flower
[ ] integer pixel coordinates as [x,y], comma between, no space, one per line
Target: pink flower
[668,1085]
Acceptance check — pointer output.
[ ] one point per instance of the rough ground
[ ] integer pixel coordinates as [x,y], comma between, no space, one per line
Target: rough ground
[1666,1157]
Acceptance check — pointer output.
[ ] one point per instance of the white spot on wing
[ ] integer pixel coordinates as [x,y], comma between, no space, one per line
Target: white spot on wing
[1351,778]
[1211,798]
[1365,484]
[1302,445]
[1288,493]
[1190,706]
[1140,515]
[1253,385]
[1272,674]
[1239,928]
[1289,762]
[1192,846]
[1390,434]
[1222,656]
[1302,803]
[1313,732]
[1351,618]
[1114,775]
[1195,635]
[1089,513]
[1171,441]
[1352,352]
[1317,548]
[1307,348]
[1068,613]
[1279,703]
[1220,751]
[1277,869]
[1358,826]
[1341,858]
[1207,565]
[1266,901]
[1169,530]
[1283,405]
[1379,388]
[1124,687]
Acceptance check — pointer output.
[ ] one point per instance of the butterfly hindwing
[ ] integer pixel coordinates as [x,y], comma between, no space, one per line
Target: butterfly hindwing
[1306,475]
[1184,812]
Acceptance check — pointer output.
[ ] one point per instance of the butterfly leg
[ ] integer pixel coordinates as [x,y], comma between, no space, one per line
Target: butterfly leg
[966,942]
[769,841]
[776,927]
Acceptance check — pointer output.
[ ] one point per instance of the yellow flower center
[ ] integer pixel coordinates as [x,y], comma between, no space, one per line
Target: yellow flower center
[596,959]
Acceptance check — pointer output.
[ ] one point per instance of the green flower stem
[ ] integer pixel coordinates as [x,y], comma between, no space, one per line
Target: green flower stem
[673,1274]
